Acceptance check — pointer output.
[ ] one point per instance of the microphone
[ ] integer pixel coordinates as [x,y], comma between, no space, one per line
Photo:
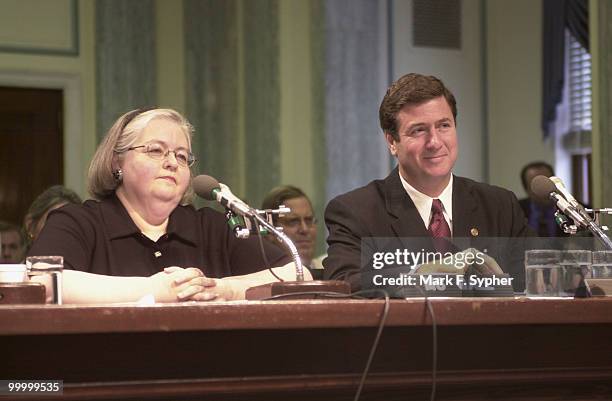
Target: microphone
[209,188]
[564,222]
[544,188]
[568,196]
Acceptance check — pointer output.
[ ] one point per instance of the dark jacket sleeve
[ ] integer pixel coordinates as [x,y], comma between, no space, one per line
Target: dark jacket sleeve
[508,233]
[66,233]
[344,243]
[521,232]
[520,228]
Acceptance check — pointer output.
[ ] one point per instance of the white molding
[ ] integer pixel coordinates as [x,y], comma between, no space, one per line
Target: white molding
[70,84]
[70,48]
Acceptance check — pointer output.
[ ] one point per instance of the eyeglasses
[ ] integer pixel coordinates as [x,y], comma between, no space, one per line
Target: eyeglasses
[159,152]
[295,222]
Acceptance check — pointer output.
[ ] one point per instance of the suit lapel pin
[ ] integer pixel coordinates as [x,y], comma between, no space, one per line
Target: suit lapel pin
[474,232]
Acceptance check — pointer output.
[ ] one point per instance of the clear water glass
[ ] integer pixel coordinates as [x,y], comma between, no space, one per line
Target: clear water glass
[48,270]
[542,269]
[602,264]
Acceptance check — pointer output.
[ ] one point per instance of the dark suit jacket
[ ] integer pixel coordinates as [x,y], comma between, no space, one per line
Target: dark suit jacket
[384,209]
[526,206]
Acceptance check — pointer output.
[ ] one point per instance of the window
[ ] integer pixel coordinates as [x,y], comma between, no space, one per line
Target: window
[574,122]
[579,86]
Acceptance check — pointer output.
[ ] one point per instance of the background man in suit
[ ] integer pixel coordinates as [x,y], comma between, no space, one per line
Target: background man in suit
[421,197]
[300,224]
[540,215]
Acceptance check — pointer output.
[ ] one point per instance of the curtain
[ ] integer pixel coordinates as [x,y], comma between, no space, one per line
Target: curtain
[557,16]
[577,20]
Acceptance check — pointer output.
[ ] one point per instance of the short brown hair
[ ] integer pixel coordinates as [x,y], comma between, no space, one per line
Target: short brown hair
[538,165]
[50,197]
[411,89]
[121,136]
[278,195]
[6,227]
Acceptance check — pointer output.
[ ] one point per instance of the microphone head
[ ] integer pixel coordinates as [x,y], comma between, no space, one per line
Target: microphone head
[203,185]
[542,187]
[557,181]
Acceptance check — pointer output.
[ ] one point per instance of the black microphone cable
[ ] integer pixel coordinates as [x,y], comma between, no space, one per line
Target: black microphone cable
[357,295]
[381,326]
[434,362]
[263,252]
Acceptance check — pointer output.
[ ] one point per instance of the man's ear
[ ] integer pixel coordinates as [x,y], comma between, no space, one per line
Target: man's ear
[391,143]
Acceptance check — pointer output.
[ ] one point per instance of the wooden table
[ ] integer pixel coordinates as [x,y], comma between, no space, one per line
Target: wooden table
[488,348]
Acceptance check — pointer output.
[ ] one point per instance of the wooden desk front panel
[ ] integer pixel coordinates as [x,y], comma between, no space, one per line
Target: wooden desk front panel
[516,349]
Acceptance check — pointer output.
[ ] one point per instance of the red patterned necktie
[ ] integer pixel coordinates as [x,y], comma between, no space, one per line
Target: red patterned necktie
[438,227]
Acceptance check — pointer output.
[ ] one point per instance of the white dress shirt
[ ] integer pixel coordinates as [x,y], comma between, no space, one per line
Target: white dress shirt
[423,202]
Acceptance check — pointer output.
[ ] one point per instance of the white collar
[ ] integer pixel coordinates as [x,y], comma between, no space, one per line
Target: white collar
[423,202]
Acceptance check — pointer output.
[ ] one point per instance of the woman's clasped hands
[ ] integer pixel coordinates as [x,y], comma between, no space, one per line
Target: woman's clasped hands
[186,284]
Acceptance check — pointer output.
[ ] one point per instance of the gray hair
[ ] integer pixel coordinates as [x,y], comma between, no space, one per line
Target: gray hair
[121,136]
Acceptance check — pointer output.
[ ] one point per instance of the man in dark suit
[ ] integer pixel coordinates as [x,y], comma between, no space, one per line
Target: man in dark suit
[421,197]
[540,214]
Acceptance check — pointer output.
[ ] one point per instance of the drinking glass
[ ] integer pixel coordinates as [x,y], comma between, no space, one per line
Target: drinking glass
[542,272]
[602,264]
[49,269]
[575,267]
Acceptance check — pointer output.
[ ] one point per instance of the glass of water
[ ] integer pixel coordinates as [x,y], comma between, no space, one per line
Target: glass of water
[575,267]
[48,270]
[542,268]
[602,264]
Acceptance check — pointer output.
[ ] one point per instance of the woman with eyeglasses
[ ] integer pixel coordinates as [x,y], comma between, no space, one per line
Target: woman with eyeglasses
[141,224]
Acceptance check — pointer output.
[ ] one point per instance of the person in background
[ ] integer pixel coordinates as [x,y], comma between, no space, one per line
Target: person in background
[540,214]
[141,223]
[52,198]
[11,243]
[300,224]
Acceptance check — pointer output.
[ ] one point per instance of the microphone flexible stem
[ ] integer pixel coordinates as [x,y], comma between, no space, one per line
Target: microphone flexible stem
[598,232]
[568,210]
[299,269]
[581,220]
